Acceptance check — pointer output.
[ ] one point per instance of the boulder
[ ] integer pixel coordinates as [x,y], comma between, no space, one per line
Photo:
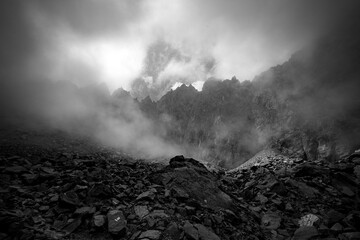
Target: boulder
[271,221]
[205,233]
[308,220]
[188,178]
[150,234]
[172,232]
[116,222]
[99,220]
[70,198]
[304,233]
[141,211]
[190,231]
[350,236]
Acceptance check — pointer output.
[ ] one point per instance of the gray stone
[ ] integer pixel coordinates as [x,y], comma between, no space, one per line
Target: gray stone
[201,187]
[99,220]
[261,198]
[304,188]
[72,226]
[333,217]
[54,198]
[288,207]
[271,221]
[44,208]
[70,198]
[353,219]
[158,214]
[350,236]
[190,231]
[85,210]
[116,222]
[141,211]
[15,169]
[308,220]
[150,234]
[357,172]
[30,178]
[304,233]
[337,227]
[150,195]
[172,232]
[205,233]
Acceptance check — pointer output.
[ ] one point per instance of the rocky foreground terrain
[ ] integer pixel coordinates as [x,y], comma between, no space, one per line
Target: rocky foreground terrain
[54,186]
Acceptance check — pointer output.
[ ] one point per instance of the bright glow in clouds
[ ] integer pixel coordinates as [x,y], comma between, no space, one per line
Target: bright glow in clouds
[120,62]
[243,38]
[117,62]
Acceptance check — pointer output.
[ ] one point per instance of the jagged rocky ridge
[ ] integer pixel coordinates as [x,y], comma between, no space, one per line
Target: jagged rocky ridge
[101,194]
[307,107]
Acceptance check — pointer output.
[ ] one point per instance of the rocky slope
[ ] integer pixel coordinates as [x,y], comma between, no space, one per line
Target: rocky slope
[58,187]
[47,193]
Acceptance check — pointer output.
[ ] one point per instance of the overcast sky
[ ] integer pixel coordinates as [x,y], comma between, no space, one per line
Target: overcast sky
[89,41]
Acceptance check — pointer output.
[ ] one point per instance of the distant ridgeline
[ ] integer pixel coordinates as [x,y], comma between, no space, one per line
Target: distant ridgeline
[307,107]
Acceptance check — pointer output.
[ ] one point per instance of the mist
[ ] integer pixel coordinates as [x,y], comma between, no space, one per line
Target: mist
[62,60]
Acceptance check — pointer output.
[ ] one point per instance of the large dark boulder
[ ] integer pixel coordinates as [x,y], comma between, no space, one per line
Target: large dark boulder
[188,180]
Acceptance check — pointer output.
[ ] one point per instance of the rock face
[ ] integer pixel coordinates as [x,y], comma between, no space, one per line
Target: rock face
[292,105]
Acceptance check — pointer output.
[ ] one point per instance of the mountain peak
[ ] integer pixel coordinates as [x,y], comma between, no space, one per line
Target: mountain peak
[121,93]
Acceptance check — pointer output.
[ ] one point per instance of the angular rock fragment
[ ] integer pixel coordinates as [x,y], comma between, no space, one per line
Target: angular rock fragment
[308,220]
[353,220]
[85,210]
[70,198]
[350,236]
[99,220]
[172,232]
[261,198]
[100,191]
[72,226]
[147,195]
[271,221]
[30,178]
[141,211]
[190,231]
[150,234]
[337,228]
[15,170]
[333,217]
[305,233]
[205,233]
[304,188]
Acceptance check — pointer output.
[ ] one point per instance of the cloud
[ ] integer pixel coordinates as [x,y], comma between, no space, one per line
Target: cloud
[111,39]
